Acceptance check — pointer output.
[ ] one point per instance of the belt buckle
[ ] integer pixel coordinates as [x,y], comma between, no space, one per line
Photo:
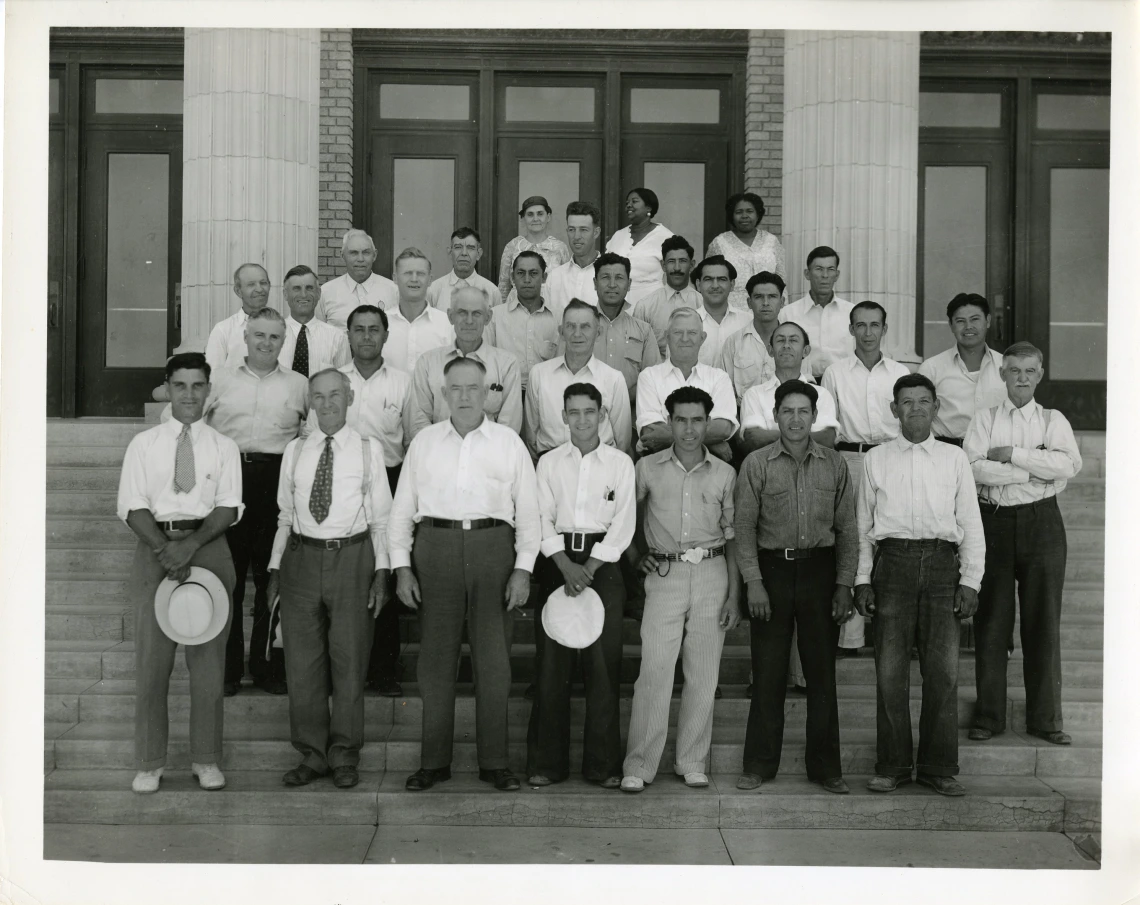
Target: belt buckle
[332,544]
[575,545]
[246,457]
[467,524]
[787,553]
[694,555]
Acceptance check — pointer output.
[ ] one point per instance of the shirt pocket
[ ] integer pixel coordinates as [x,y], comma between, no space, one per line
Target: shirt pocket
[746,373]
[390,419]
[942,500]
[776,507]
[493,404]
[497,494]
[821,513]
[208,491]
[634,349]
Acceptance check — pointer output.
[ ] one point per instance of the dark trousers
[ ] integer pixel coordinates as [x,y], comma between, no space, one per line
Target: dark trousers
[385,659]
[548,734]
[914,584]
[251,543]
[1025,548]
[463,576]
[327,628]
[800,592]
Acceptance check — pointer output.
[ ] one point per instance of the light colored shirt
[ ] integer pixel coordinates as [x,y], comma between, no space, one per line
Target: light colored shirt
[863,398]
[569,281]
[1044,458]
[379,409]
[409,339]
[439,292]
[226,344]
[961,393]
[147,478]
[828,329]
[756,407]
[351,511]
[716,334]
[627,344]
[656,307]
[744,357]
[543,426]
[656,383]
[260,414]
[328,346]
[487,474]
[554,252]
[428,403]
[920,491]
[588,494]
[765,253]
[686,509]
[531,338]
[645,259]
[343,295]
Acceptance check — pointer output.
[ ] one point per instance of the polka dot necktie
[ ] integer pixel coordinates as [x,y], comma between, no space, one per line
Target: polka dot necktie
[301,352]
[184,462]
[320,498]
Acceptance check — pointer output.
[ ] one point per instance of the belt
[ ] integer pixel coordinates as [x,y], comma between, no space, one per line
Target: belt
[953,441]
[182,525]
[854,447]
[578,540]
[791,553]
[250,457]
[994,508]
[926,543]
[680,557]
[470,524]
[331,543]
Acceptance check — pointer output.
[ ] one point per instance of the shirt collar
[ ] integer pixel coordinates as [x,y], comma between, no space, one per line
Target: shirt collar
[572,451]
[244,366]
[813,449]
[707,460]
[453,351]
[395,311]
[481,429]
[625,309]
[695,373]
[590,266]
[515,303]
[989,355]
[351,369]
[927,444]
[340,438]
[352,284]
[454,279]
[175,427]
[1027,411]
[588,366]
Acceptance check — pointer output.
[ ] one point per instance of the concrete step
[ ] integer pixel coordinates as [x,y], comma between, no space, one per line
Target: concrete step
[80,455]
[83,479]
[94,431]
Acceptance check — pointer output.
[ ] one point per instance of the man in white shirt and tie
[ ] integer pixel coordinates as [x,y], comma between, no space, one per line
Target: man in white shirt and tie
[358,285]
[1022,456]
[921,557]
[821,312]
[575,278]
[179,490]
[414,326]
[226,343]
[678,292]
[465,251]
[311,345]
[330,564]
[467,498]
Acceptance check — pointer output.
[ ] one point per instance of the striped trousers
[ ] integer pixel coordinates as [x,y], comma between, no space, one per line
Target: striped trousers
[682,615]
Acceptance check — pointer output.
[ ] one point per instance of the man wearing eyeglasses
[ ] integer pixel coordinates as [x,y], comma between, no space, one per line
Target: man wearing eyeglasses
[465,251]
[822,313]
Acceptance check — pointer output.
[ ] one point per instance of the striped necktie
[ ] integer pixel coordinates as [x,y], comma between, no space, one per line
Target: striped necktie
[320,497]
[301,352]
[184,462]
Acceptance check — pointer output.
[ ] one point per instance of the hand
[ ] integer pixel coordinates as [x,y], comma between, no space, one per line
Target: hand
[865,599]
[179,575]
[518,588]
[759,607]
[730,613]
[1000,454]
[841,604]
[647,563]
[175,555]
[577,576]
[408,588]
[378,593]
[273,588]
[965,602]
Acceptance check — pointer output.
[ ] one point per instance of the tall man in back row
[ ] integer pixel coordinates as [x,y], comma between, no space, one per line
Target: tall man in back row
[311,345]
[358,285]
[821,312]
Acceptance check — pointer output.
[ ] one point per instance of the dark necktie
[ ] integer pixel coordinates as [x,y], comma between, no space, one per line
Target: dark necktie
[301,352]
[320,498]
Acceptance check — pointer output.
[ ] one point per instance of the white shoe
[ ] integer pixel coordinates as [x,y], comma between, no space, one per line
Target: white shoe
[146,781]
[632,784]
[209,776]
[696,780]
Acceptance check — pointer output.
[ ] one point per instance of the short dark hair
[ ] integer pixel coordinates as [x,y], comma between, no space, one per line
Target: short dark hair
[751,197]
[798,326]
[466,232]
[822,251]
[796,386]
[913,380]
[677,243]
[714,261]
[576,304]
[366,309]
[529,254]
[186,361]
[648,196]
[962,299]
[687,393]
[867,303]
[301,270]
[765,276]
[582,389]
[584,209]
[611,257]
[464,360]
[1024,349]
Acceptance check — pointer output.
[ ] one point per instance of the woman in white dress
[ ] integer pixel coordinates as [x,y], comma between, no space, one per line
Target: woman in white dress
[749,248]
[641,243]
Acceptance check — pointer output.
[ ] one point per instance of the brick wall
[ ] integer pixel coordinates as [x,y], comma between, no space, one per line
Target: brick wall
[764,123]
[335,198]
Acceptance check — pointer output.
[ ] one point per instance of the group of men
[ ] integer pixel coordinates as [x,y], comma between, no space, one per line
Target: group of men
[777,467]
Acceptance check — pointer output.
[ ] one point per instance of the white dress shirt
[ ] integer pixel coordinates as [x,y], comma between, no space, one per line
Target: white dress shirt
[917,491]
[756,407]
[647,273]
[569,281]
[328,346]
[379,409]
[226,344]
[260,414]
[147,478]
[961,393]
[656,308]
[427,403]
[409,339]
[733,322]
[487,474]
[350,511]
[863,398]
[588,494]
[656,383]
[440,291]
[543,426]
[828,329]
[1044,458]
[341,296]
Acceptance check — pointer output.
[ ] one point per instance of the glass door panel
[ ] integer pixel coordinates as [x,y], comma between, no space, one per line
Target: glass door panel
[680,189]
[423,207]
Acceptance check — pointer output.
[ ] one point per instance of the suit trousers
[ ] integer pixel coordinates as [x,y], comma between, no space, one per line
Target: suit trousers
[799,592]
[384,662]
[154,661]
[1026,549]
[463,576]
[682,615]
[548,733]
[327,629]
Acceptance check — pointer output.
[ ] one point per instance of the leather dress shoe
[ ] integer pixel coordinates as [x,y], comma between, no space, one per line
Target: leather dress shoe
[231,688]
[881,783]
[749,781]
[273,686]
[301,775]
[1055,736]
[540,780]
[836,785]
[425,779]
[345,776]
[503,780]
[980,734]
[943,785]
[611,782]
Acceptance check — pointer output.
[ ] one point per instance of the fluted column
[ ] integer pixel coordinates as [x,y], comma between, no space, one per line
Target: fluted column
[851,166]
[251,115]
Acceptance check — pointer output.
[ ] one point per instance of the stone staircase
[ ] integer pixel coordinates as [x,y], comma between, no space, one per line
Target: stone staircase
[1015,782]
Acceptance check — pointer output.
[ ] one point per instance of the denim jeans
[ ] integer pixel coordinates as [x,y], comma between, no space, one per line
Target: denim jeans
[914,584]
